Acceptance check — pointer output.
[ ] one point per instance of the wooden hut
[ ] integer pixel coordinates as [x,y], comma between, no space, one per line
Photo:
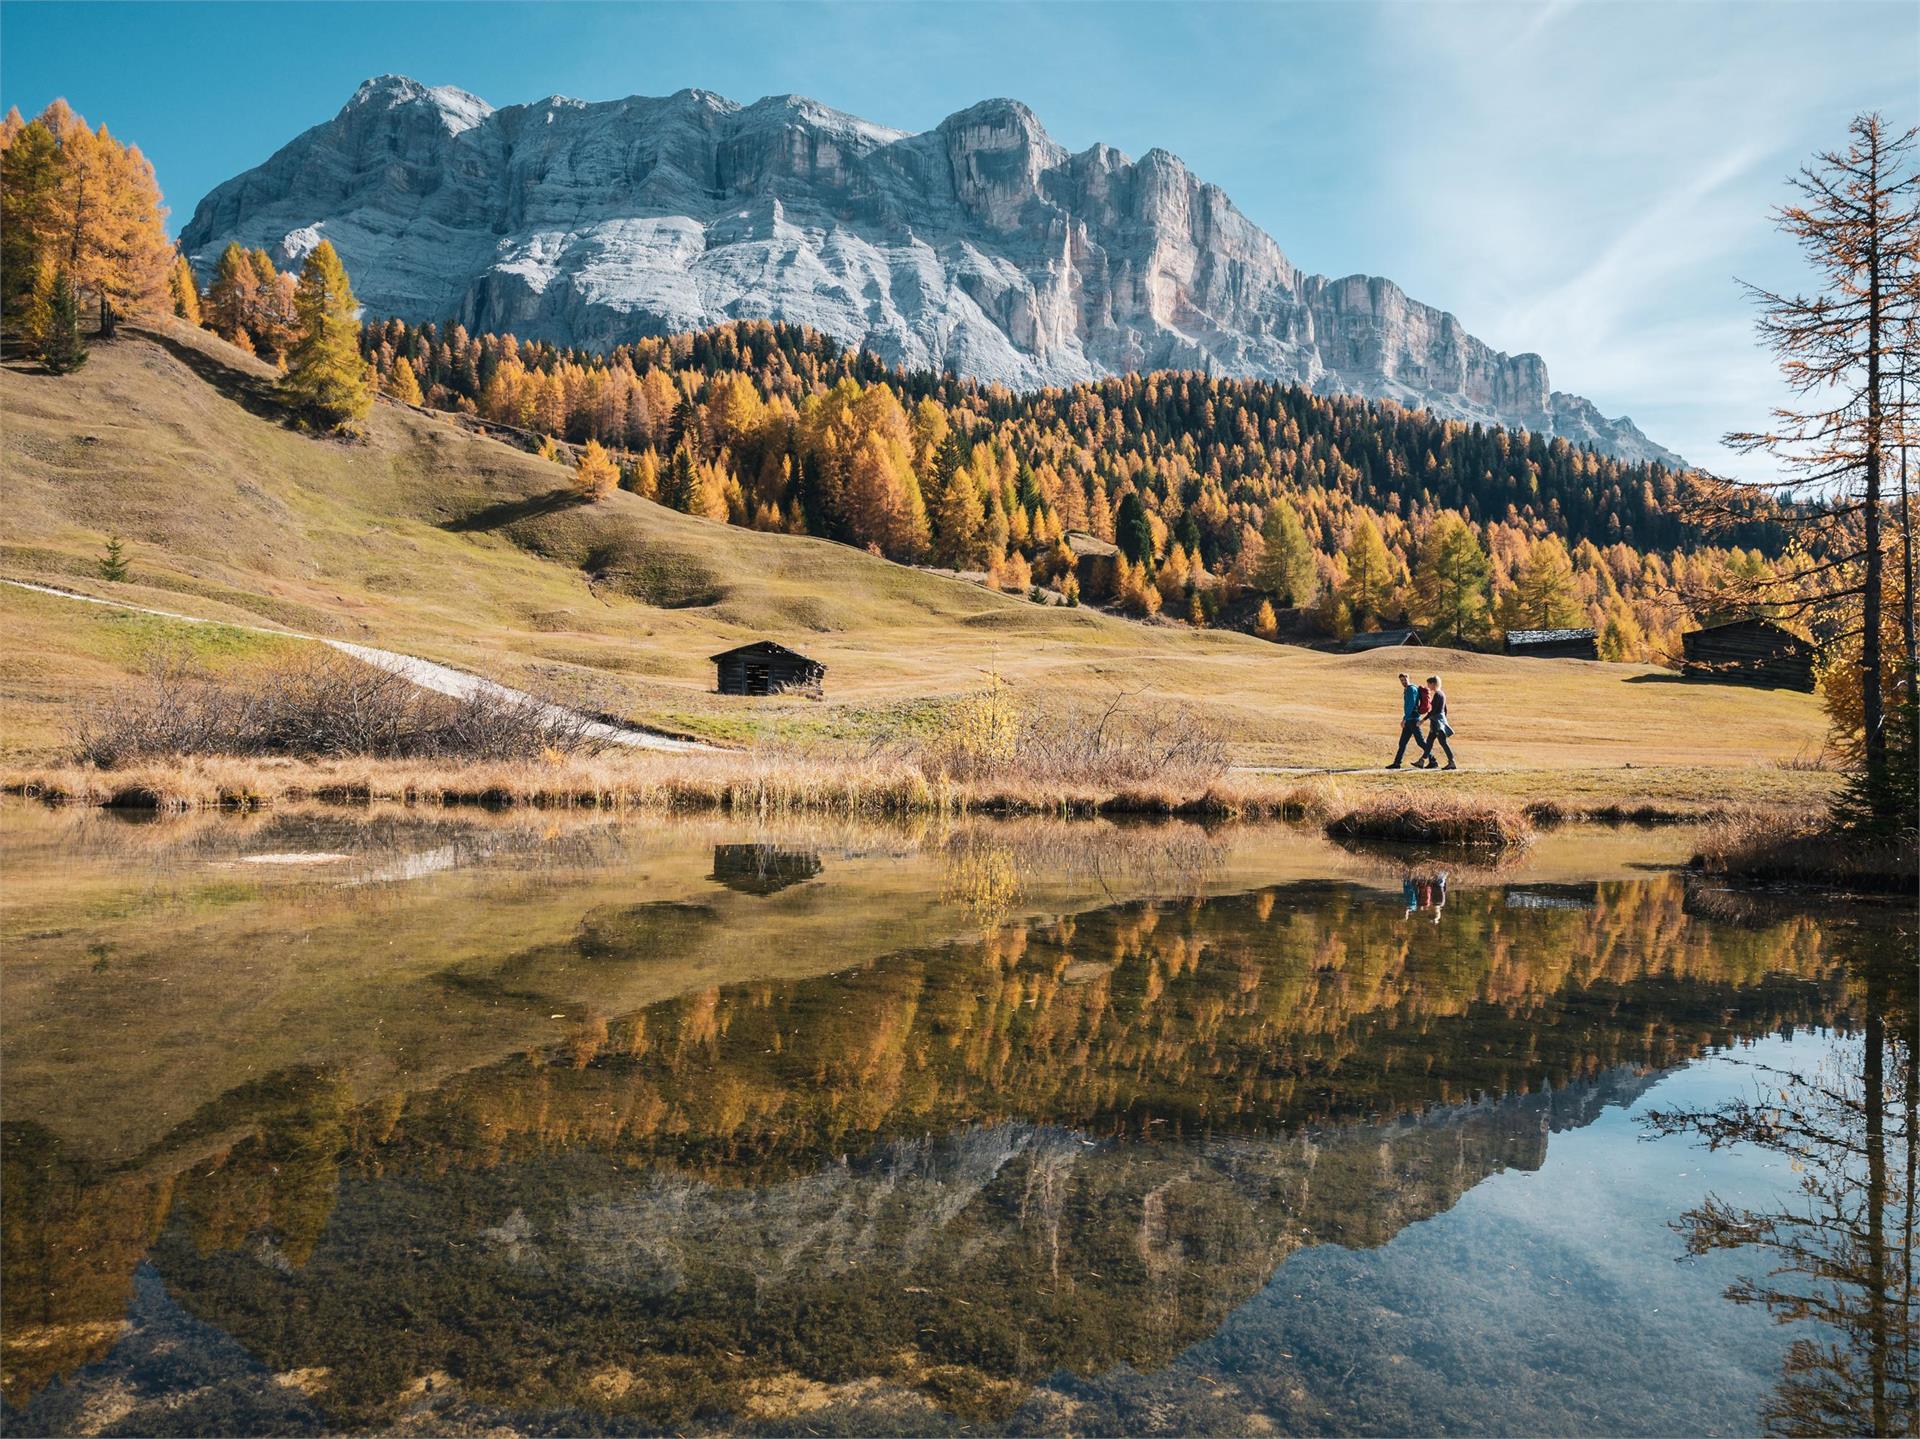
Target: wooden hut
[1749,652]
[1553,644]
[762,868]
[1381,640]
[1093,562]
[765,668]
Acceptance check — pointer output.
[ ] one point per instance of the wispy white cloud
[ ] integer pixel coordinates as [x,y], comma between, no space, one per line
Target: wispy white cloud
[1587,179]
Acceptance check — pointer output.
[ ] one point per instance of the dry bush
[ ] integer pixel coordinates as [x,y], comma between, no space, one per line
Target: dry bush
[320,707]
[1769,846]
[1436,819]
[1159,754]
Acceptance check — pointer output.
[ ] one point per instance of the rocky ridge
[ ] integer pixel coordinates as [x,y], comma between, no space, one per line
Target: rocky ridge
[980,246]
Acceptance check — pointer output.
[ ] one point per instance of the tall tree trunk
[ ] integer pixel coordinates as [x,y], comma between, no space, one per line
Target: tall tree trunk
[1879,1340]
[1910,1047]
[1872,709]
[1906,523]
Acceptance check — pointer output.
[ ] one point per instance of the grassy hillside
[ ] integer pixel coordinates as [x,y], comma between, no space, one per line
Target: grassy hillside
[431,540]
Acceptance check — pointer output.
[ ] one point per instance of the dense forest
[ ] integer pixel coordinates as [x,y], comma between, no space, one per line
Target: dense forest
[1239,503]
[1231,501]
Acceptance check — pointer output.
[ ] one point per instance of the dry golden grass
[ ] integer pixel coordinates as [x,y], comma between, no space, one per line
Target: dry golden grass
[436,542]
[772,785]
[1773,847]
[1436,819]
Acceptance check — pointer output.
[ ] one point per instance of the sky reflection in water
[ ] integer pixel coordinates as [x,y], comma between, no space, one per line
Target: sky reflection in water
[875,1131]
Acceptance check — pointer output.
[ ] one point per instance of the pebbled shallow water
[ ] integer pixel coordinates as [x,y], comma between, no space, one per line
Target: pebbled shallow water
[514,1124]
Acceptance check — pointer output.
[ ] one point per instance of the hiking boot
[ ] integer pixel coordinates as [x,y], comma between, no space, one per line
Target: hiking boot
[1450,766]
[1394,765]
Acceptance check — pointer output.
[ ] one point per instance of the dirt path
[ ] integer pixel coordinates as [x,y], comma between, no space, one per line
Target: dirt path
[442,679]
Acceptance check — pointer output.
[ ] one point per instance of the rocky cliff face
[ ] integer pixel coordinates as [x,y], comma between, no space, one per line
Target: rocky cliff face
[980,246]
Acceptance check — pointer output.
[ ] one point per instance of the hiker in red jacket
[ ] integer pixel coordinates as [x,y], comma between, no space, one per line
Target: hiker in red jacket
[1412,706]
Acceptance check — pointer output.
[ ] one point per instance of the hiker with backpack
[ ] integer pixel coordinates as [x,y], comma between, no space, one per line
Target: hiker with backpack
[1413,706]
[1439,728]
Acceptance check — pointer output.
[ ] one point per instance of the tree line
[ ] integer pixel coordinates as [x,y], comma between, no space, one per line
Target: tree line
[82,227]
[1231,502]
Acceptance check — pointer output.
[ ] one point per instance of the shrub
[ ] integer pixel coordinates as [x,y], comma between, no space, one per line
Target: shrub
[1768,847]
[331,706]
[1435,820]
[996,737]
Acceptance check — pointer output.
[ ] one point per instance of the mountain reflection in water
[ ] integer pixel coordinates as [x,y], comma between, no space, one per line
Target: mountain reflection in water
[939,1188]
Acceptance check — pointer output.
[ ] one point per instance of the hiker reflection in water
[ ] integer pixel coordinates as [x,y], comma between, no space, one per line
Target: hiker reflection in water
[1425,894]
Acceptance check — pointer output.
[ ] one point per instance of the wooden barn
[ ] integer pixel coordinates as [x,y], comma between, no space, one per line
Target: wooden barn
[765,668]
[1553,644]
[1093,562]
[1749,652]
[1381,640]
[762,868]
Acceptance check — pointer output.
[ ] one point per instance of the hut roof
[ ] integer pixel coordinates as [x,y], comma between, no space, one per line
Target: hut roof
[1546,637]
[1750,622]
[1083,544]
[1382,639]
[766,648]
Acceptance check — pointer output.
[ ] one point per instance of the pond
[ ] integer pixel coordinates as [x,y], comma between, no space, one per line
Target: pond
[522,1124]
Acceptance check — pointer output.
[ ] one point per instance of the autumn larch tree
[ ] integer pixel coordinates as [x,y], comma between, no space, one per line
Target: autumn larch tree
[1544,597]
[326,379]
[231,297]
[402,384]
[1287,570]
[1266,624]
[30,180]
[1450,583]
[32,315]
[89,205]
[596,475]
[1368,591]
[185,291]
[1842,350]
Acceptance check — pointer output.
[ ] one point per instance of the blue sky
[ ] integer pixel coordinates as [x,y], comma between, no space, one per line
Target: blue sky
[1579,179]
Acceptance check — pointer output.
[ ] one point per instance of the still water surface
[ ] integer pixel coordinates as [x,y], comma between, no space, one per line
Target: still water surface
[514,1126]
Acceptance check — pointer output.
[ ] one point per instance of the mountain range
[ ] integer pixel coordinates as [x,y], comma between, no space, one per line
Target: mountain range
[979,246]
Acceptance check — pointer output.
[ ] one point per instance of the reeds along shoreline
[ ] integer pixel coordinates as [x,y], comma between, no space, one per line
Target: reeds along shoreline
[1764,847]
[722,782]
[769,786]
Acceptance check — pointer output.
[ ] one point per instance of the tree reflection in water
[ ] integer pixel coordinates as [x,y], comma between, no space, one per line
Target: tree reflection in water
[1840,1253]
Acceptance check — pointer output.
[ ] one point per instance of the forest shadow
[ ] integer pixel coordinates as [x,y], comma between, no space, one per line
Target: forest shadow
[257,395]
[508,512]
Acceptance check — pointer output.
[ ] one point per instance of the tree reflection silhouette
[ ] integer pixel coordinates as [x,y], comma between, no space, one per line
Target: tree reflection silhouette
[1840,1252]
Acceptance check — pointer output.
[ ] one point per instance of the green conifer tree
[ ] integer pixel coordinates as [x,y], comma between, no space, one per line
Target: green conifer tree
[1131,531]
[63,349]
[326,380]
